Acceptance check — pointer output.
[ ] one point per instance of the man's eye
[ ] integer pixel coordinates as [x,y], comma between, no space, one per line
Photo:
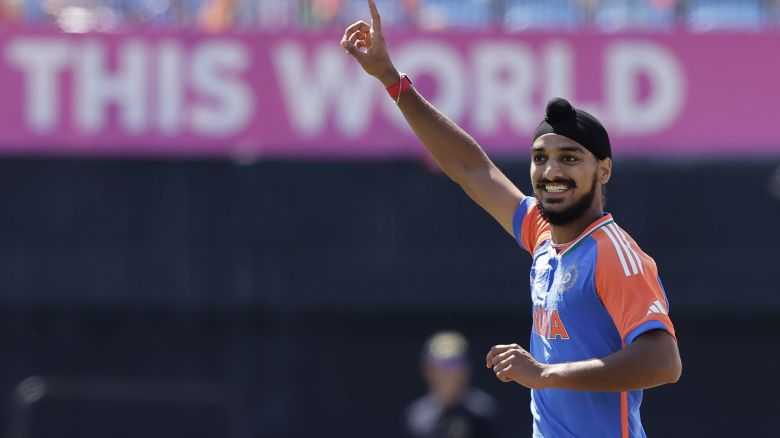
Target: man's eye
[538,159]
[569,159]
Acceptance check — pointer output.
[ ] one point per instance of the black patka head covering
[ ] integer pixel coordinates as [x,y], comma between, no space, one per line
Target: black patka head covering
[563,119]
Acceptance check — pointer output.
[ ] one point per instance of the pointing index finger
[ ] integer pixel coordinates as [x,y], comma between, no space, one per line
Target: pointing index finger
[376,22]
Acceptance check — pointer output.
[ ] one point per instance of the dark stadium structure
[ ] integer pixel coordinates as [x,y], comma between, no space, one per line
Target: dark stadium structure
[290,299]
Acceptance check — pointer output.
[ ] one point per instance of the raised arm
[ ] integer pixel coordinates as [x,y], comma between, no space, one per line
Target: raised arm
[458,155]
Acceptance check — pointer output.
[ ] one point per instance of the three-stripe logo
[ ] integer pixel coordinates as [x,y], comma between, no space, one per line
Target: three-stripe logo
[629,259]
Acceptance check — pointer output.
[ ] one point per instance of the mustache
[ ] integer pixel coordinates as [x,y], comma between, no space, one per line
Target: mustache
[544,181]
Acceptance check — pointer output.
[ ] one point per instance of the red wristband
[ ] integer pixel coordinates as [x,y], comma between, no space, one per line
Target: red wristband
[399,87]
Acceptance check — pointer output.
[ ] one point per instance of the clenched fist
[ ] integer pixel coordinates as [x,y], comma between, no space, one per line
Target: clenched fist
[512,363]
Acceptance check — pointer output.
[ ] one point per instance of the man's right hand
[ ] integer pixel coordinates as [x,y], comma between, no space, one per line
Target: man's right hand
[458,155]
[366,44]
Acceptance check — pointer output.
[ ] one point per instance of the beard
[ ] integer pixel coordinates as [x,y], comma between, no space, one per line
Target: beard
[575,211]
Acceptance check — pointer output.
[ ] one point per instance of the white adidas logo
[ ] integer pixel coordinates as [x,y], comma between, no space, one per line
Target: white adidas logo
[657,307]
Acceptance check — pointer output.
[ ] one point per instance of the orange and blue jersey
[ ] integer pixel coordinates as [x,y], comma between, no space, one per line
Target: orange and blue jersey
[590,300]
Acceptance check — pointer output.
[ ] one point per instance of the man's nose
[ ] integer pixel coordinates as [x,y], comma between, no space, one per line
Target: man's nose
[552,170]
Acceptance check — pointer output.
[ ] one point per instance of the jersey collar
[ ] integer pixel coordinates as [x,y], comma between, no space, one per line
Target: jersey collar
[600,222]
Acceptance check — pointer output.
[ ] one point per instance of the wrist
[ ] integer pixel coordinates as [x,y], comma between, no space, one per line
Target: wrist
[389,77]
[551,375]
[399,87]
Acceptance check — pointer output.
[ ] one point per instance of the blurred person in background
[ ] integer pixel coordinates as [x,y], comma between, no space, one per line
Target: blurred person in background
[601,327]
[81,16]
[217,15]
[322,13]
[10,11]
[319,14]
[402,14]
[181,13]
[439,15]
[452,408]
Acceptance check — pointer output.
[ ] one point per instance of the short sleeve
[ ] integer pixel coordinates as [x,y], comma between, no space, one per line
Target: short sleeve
[628,285]
[528,226]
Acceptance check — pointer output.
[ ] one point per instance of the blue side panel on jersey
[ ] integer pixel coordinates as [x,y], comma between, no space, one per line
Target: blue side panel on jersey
[668,308]
[517,220]
[645,327]
[635,429]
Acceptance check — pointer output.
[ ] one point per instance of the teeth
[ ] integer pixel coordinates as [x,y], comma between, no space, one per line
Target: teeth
[555,188]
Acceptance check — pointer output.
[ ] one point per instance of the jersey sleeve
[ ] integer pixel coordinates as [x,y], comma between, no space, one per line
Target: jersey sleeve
[529,228]
[628,285]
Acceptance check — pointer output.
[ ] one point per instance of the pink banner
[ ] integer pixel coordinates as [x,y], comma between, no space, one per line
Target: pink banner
[269,95]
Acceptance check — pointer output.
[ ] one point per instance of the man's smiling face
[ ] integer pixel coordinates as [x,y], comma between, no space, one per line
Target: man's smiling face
[566,178]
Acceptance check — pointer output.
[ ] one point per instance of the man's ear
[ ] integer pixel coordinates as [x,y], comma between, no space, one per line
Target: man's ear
[605,170]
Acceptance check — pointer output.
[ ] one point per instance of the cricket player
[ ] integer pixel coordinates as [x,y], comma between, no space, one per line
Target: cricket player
[601,328]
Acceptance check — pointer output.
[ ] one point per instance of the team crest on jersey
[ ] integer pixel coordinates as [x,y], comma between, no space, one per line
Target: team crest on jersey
[569,278]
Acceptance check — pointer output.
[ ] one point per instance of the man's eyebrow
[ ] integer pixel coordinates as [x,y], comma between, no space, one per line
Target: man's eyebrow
[572,148]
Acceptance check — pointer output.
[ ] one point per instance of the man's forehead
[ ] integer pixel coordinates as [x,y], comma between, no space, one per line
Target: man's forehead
[556,142]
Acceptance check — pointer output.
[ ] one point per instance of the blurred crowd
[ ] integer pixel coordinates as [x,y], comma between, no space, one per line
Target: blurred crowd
[283,15]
